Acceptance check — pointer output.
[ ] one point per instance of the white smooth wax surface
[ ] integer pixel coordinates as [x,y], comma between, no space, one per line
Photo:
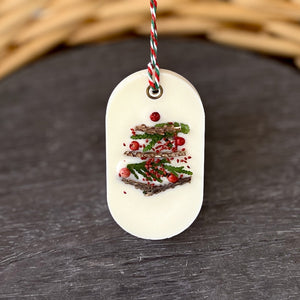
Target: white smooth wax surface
[170,212]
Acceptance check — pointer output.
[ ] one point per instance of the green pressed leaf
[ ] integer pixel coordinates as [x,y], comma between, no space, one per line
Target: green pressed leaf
[153,137]
[168,134]
[176,170]
[143,173]
[141,169]
[138,168]
[158,179]
[130,168]
[187,172]
[142,136]
[153,141]
[160,172]
[184,128]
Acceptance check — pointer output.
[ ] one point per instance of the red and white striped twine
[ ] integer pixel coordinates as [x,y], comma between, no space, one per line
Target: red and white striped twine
[153,68]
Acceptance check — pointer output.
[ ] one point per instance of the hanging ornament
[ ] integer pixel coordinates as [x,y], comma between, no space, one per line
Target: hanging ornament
[154,150]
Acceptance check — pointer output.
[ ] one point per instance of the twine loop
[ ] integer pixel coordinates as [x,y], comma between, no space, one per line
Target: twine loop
[153,68]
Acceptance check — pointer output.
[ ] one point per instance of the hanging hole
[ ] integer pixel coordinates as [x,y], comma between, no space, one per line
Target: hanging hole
[154,94]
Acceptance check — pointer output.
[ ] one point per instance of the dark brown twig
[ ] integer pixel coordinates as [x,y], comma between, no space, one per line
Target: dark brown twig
[160,130]
[154,154]
[149,190]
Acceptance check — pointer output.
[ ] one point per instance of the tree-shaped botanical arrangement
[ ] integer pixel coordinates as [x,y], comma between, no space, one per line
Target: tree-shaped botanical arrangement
[162,157]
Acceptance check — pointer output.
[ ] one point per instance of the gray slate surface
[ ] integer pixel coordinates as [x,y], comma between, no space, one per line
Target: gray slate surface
[57,238]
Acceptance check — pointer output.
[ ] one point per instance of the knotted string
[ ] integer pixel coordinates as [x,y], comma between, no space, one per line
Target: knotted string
[153,68]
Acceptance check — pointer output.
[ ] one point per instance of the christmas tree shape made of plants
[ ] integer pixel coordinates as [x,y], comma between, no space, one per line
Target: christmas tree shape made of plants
[163,157]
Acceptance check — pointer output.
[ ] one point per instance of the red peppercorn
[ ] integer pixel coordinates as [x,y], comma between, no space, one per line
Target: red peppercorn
[124,172]
[134,145]
[155,116]
[179,141]
[172,178]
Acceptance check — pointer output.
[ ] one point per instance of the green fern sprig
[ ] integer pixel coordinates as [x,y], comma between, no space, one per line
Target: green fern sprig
[146,136]
[141,169]
[153,137]
[176,170]
[184,128]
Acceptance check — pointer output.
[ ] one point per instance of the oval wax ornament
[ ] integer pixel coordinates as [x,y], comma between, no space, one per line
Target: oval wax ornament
[155,155]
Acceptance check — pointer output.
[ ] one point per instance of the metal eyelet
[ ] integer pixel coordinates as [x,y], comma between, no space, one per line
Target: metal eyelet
[154,94]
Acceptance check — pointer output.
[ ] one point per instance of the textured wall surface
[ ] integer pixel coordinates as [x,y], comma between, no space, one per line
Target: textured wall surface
[57,238]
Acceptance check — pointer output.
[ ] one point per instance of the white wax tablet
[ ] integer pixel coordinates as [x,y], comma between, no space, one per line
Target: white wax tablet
[169,205]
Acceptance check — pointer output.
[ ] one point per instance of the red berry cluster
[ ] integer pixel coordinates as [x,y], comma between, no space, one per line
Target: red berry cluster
[156,168]
[165,144]
[168,144]
[184,160]
[132,131]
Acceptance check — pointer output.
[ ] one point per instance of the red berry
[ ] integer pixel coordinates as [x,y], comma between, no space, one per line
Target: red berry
[134,145]
[172,178]
[155,116]
[179,141]
[124,172]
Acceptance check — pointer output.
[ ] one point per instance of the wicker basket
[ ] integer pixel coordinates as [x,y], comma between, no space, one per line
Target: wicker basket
[30,28]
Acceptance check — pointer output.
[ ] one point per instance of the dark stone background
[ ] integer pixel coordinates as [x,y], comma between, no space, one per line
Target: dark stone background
[57,238]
